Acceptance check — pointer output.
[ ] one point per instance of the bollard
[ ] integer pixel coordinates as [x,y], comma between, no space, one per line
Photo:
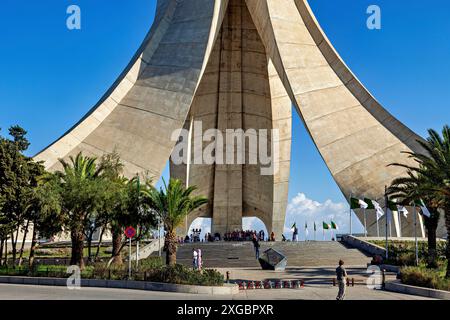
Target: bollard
[228,276]
[348,282]
[353,282]
[383,274]
[334,282]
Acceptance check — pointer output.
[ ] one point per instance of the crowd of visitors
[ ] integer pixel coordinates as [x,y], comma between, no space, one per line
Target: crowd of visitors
[237,235]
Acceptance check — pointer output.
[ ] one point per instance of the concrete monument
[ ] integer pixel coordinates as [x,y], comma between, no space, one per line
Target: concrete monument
[241,64]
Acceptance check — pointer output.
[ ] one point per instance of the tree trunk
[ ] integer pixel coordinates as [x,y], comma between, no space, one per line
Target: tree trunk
[89,243]
[447,226]
[99,244]
[77,258]
[2,243]
[14,248]
[171,248]
[6,252]
[22,247]
[117,247]
[432,263]
[32,249]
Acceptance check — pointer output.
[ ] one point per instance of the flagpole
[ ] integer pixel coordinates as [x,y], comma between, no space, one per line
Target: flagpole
[399,224]
[378,224]
[350,202]
[386,218]
[415,235]
[365,223]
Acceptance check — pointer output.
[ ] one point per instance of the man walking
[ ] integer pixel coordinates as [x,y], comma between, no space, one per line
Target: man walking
[256,246]
[194,259]
[341,275]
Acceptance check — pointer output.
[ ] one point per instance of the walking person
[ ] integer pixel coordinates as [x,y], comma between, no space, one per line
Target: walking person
[295,234]
[341,275]
[256,246]
[199,259]
[194,259]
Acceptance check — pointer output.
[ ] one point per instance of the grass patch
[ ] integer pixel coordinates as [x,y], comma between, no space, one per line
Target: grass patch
[151,269]
[402,253]
[423,277]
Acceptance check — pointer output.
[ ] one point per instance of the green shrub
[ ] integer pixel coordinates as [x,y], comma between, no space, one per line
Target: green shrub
[402,253]
[150,263]
[422,277]
[151,269]
[179,274]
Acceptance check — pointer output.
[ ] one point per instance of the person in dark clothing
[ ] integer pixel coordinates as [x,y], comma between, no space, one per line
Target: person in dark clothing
[256,246]
[341,275]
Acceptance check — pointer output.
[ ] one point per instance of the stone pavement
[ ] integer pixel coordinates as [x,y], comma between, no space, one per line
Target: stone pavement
[310,292]
[311,275]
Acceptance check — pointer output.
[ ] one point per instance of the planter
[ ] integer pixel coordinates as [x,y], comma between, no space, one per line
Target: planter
[227,289]
[397,286]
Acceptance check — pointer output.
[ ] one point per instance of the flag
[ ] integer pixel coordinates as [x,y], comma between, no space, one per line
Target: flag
[358,204]
[294,226]
[334,226]
[378,208]
[315,227]
[421,204]
[403,210]
[325,226]
[306,225]
[370,204]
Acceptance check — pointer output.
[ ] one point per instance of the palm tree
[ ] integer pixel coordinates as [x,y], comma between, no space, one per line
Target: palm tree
[80,192]
[434,165]
[408,190]
[172,204]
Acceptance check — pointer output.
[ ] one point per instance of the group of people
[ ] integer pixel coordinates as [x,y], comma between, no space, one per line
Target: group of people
[248,235]
[197,259]
[241,235]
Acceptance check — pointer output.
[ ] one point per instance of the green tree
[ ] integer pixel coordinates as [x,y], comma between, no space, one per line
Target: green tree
[81,189]
[434,165]
[18,174]
[173,203]
[409,189]
[45,211]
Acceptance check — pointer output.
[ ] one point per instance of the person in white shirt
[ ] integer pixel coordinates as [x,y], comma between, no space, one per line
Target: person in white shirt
[194,259]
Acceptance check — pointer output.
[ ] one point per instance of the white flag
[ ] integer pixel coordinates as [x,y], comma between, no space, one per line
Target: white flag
[403,210]
[425,210]
[378,208]
[363,204]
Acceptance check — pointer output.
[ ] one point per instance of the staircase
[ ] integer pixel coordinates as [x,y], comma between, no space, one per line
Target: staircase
[299,254]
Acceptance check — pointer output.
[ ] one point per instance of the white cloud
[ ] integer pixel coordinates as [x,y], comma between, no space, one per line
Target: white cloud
[301,209]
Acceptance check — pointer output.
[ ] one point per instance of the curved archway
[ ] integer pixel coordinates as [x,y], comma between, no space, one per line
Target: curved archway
[203,224]
[254,223]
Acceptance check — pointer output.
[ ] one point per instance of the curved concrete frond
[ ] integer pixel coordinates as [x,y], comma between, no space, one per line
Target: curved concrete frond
[153,95]
[355,135]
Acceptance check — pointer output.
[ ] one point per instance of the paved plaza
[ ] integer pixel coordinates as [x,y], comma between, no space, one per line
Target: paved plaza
[310,292]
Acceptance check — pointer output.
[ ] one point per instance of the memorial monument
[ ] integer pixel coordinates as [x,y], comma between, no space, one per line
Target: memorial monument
[242,64]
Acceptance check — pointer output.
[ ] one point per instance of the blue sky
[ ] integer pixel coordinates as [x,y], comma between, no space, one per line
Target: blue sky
[51,76]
